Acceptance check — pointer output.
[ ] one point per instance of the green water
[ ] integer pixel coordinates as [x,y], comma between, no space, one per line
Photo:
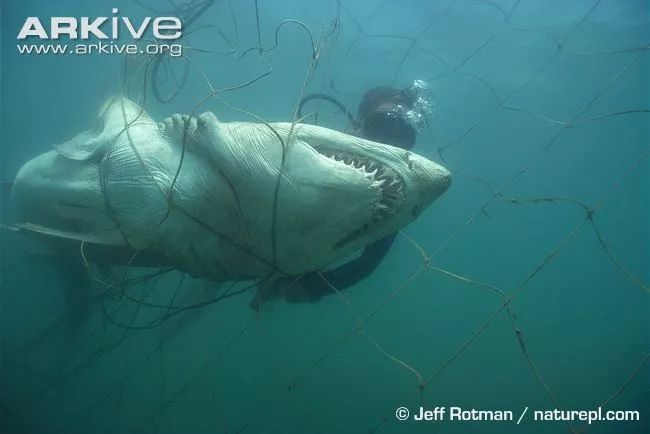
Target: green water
[541,111]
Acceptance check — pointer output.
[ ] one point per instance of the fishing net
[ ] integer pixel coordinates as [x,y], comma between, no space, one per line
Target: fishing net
[525,285]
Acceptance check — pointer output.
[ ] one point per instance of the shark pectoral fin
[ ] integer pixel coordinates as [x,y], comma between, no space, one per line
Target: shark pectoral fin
[114,115]
[110,237]
[82,219]
[84,146]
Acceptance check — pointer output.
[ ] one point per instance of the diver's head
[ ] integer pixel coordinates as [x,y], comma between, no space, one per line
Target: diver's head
[394,116]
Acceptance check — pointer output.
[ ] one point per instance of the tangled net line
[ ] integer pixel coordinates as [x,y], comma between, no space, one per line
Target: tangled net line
[157,69]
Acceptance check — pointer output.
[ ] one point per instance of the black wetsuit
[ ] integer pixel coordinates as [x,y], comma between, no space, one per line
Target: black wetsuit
[311,287]
[349,274]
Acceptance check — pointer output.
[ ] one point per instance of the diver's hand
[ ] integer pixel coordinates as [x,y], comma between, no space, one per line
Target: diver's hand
[308,288]
[270,290]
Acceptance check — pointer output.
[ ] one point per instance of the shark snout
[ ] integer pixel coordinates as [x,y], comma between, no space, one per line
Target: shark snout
[432,178]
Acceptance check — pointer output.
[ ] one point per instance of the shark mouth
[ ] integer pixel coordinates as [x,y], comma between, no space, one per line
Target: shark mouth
[386,180]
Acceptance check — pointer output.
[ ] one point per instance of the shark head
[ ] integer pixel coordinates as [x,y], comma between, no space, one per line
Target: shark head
[319,194]
[225,200]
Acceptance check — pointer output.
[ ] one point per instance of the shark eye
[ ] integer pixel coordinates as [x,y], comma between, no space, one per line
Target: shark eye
[416,210]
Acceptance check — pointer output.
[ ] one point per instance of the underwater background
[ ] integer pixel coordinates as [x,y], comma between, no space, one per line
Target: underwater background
[541,115]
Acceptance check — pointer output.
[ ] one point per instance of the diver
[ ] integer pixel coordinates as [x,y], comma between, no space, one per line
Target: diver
[385,115]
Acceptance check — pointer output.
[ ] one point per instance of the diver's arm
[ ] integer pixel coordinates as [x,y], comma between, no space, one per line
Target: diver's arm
[353,272]
[312,286]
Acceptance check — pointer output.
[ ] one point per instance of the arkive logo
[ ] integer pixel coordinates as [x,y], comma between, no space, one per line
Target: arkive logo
[84,28]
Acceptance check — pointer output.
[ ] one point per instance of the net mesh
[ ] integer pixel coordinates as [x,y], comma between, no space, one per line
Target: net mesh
[541,118]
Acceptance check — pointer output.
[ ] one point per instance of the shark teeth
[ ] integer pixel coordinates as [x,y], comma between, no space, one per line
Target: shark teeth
[357,161]
[383,177]
[384,180]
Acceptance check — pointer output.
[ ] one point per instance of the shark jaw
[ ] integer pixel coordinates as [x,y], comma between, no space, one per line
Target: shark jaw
[384,183]
[368,190]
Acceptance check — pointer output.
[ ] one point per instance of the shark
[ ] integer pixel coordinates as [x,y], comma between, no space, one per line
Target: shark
[222,201]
